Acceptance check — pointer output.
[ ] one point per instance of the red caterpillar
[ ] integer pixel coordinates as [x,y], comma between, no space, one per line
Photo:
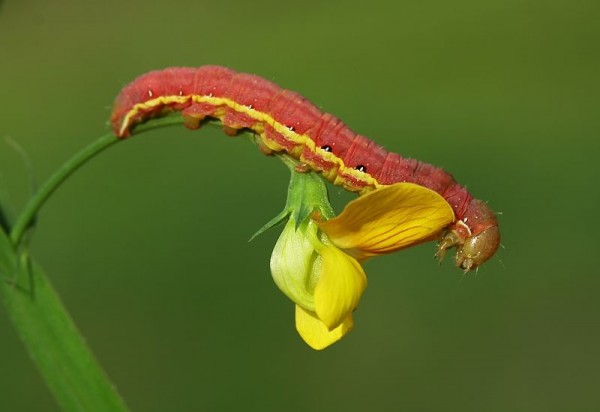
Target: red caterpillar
[287,122]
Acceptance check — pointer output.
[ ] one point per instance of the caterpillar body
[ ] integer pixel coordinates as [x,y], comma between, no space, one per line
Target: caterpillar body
[286,122]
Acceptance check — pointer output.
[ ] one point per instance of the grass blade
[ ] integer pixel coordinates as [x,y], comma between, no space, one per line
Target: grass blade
[54,344]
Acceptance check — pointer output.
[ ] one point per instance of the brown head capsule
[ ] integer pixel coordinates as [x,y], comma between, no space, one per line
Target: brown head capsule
[478,249]
[476,236]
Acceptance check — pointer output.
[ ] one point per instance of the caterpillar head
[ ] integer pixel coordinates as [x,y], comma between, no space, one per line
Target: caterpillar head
[477,249]
[472,249]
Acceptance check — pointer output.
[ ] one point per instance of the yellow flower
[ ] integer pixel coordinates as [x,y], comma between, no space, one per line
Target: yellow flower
[325,283]
[316,261]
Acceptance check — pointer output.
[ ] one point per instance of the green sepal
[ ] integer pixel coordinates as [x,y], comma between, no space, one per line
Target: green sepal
[307,193]
[270,224]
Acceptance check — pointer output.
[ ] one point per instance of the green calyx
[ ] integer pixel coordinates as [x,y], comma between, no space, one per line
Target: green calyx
[306,198]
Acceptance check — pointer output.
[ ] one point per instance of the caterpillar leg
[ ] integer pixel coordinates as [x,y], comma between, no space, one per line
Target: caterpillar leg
[448,240]
[230,131]
[192,122]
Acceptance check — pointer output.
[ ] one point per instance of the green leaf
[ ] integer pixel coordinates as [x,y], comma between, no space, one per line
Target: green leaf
[5,216]
[50,336]
[4,222]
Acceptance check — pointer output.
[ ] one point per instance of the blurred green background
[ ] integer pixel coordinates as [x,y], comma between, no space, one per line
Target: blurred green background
[147,244]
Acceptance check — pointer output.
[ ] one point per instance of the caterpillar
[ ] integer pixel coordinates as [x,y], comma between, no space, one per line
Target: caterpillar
[284,121]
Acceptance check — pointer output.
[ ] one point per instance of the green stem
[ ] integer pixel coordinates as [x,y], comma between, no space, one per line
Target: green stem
[27,217]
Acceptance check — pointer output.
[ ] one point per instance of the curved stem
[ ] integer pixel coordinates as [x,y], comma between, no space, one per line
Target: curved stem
[26,218]
[28,215]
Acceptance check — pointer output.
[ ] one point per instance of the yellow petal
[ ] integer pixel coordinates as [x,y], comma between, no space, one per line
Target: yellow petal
[315,333]
[340,285]
[389,219]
